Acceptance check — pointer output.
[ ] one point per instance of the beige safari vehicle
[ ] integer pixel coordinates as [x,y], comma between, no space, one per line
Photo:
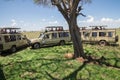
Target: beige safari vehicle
[99,34]
[52,36]
[11,40]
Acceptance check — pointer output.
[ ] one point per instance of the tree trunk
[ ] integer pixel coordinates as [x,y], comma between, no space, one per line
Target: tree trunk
[76,38]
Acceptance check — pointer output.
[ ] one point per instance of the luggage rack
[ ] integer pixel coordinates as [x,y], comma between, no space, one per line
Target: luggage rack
[9,30]
[54,28]
[98,27]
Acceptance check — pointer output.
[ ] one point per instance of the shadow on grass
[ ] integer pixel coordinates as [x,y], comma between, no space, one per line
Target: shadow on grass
[73,75]
[2,76]
[53,60]
[104,61]
[7,53]
[45,62]
[101,61]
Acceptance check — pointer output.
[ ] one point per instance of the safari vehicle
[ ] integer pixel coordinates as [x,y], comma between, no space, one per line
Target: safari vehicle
[11,39]
[99,34]
[52,36]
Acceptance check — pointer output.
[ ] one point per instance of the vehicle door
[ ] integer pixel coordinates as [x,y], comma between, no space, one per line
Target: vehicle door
[47,39]
[9,41]
[54,38]
[19,41]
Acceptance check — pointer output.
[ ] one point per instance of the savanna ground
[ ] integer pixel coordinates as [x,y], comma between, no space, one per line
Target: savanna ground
[50,64]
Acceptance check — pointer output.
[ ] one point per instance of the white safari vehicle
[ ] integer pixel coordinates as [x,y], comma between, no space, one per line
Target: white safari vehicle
[52,36]
[99,34]
[11,39]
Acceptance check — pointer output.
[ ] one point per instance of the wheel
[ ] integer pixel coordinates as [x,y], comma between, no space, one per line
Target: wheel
[13,49]
[62,43]
[36,46]
[102,43]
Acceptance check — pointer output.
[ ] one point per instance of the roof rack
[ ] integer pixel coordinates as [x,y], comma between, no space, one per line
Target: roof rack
[82,28]
[9,30]
[98,27]
[54,28]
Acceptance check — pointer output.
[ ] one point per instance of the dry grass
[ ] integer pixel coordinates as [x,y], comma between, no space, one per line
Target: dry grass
[32,34]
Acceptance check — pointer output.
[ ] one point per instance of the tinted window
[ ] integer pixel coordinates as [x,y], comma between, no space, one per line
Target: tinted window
[110,34]
[94,34]
[47,36]
[102,34]
[54,35]
[66,34]
[63,34]
[12,38]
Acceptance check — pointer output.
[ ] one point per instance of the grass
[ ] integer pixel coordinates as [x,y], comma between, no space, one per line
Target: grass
[32,34]
[49,64]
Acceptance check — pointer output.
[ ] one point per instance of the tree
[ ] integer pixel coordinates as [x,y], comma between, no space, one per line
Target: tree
[70,9]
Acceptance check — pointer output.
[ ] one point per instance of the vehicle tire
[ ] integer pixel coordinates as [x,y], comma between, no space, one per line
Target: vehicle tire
[62,43]
[102,43]
[13,49]
[36,46]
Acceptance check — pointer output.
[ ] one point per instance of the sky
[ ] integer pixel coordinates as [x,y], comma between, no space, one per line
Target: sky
[28,16]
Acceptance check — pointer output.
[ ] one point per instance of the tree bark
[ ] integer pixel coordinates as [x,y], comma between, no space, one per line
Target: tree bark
[76,38]
[71,18]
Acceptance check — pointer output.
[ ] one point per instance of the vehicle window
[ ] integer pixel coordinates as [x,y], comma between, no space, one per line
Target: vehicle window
[47,36]
[94,34]
[7,38]
[54,35]
[64,34]
[102,34]
[19,37]
[86,34]
[41,35]
[110,34]
[12,38]
[0,39]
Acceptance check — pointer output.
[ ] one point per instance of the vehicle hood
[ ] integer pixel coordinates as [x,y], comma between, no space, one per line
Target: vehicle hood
[35,40]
